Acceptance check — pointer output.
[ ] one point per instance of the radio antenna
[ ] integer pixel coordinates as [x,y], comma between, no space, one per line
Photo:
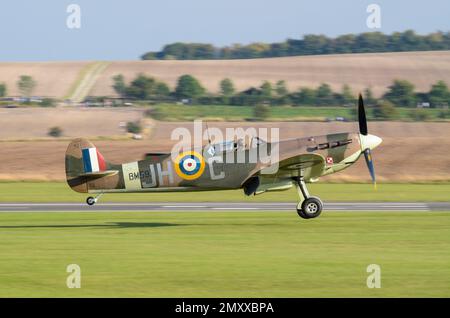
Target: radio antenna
[207,131]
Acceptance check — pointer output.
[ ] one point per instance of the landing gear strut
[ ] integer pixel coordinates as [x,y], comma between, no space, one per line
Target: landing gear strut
[308,207]
[92,200]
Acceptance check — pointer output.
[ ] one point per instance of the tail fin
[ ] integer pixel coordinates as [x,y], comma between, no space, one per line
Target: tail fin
[84,161]
[93,160]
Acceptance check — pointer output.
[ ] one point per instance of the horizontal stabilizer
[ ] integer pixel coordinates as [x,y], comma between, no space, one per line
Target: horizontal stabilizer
[156,155]
[100,174]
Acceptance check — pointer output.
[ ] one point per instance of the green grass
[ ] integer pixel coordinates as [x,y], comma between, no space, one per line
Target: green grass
[60,192]
[170,112]
[197,254]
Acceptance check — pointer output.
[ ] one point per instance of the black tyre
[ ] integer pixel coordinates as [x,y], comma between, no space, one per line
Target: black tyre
[90,201]
[301,214]
[300,211]
[311,207]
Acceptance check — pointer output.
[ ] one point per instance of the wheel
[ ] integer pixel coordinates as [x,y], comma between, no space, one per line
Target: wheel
[300,211]
[90,201]
[312,207]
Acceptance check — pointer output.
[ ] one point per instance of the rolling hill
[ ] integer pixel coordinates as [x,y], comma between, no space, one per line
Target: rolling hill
[377,70]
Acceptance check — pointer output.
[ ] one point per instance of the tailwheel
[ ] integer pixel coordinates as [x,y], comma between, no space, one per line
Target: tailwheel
[91,200]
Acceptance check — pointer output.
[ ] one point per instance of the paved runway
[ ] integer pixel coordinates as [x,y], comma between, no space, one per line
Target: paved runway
[218,206]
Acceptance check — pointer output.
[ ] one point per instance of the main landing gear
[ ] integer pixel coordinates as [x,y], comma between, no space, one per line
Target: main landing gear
[308,207]
[92,200]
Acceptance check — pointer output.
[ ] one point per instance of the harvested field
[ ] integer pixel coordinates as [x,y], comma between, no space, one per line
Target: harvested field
[32,123]
[358,70]
[54,79]
[377,70]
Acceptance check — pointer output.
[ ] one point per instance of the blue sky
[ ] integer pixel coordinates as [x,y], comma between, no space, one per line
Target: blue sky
[123,30]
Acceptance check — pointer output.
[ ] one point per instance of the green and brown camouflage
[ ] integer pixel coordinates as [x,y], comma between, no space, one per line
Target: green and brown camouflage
[310,157]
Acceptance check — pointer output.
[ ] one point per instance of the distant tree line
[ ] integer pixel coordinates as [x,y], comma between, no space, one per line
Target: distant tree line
[369,42]
[3,90]
[147,88]
[189,90]
[26,85]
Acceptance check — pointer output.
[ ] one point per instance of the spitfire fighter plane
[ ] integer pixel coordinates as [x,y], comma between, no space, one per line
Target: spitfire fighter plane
[299,161]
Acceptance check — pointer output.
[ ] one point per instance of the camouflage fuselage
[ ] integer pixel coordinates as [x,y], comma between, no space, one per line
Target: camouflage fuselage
[309,157]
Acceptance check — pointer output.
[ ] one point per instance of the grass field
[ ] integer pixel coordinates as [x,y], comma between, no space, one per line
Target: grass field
[259,254]
[169,112]
[60,192]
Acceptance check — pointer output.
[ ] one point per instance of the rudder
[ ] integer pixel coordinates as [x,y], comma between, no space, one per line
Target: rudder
[82,158]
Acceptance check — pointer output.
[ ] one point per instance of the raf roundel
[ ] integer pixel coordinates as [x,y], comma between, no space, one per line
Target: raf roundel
[189,165]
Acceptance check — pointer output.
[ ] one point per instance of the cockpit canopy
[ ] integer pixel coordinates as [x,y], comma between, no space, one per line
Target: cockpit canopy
[239,144]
